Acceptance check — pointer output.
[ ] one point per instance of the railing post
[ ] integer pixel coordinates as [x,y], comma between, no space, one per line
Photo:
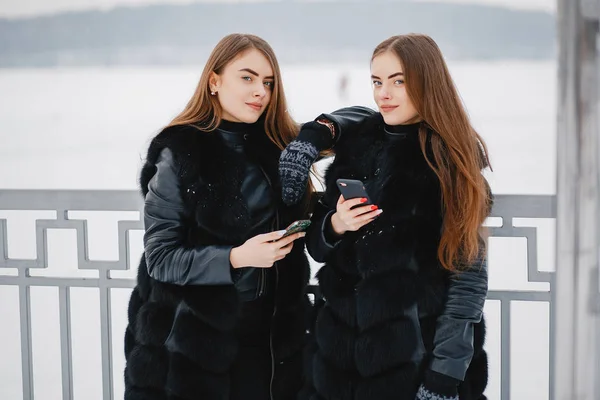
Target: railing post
[577,329]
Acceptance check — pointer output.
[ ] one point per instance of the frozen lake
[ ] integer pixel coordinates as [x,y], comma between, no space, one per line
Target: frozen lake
[88,128]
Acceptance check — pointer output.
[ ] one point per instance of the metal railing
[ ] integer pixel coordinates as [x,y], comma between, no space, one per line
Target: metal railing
[63,202]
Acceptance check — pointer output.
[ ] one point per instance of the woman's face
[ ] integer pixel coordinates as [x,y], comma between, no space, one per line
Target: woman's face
[244,87]
[389,90]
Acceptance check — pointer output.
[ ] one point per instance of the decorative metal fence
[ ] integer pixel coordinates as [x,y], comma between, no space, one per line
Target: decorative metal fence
[18,272]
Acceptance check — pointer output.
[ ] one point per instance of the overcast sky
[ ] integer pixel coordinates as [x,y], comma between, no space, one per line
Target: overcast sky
[21,8]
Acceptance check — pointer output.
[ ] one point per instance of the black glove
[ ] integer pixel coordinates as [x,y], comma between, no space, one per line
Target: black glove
[438,386]
[297,158]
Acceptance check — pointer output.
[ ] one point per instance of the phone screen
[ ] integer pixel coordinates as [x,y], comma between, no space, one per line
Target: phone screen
[297,226]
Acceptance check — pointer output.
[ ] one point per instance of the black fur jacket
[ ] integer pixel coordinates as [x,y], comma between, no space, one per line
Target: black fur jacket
[180,341]
[391,314]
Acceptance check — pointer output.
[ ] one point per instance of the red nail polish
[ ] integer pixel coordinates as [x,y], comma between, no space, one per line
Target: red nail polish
[374,207]
[363,200]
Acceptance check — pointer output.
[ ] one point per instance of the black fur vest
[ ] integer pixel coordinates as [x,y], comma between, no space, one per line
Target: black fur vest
[383,284]
[180,340]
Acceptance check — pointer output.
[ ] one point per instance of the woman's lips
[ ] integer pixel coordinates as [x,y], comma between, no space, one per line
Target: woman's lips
[255,106]
[387,108]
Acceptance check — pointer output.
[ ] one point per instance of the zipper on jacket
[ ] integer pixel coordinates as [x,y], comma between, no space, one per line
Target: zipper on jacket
[271,332]
[274,267]
[261,283]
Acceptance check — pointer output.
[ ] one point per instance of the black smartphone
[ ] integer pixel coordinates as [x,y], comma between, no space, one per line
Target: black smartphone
[296,226]
[353,188]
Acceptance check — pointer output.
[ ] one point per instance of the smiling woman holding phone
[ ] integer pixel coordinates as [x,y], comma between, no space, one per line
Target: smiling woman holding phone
[405,278]
[219,307]
[219,310]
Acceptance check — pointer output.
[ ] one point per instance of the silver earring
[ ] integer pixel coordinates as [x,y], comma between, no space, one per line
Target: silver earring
[213,93]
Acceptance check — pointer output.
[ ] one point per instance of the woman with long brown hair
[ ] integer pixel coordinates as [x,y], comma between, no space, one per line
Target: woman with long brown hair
[405,277]
[219,309]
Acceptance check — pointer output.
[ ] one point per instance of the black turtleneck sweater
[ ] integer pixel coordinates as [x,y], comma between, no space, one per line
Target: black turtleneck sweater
[396,132]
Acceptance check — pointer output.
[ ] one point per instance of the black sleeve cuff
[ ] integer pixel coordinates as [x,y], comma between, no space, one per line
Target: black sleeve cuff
[441,384]
[320,238]
[331,238]
[317,134]
[347,119]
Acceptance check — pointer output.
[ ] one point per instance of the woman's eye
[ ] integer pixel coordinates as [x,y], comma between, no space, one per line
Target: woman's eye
[247,78]
[376,83]
[398,82]
[269,84]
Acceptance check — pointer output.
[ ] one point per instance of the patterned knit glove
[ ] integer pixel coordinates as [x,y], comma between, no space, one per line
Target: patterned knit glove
[437,386]
[297,158]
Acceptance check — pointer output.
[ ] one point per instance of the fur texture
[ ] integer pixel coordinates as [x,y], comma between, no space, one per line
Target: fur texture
[180,341]
[383,285]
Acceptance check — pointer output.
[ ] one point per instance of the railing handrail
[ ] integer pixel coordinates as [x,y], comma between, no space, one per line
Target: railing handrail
[62,202]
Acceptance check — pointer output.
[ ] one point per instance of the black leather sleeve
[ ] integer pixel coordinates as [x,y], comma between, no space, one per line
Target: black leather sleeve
[169,259]
[347,118]
[320,238]
[453,341]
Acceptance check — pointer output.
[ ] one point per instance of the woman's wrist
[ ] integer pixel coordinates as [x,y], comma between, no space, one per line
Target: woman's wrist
[328,124]
[234,258]
[336,224]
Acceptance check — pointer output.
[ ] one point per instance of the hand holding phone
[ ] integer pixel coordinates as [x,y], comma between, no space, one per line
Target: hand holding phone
[262,251]
[356,210]
[296,226]
[353,189]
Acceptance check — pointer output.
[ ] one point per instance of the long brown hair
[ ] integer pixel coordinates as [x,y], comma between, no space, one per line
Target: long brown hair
[204,110]
[459,153]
